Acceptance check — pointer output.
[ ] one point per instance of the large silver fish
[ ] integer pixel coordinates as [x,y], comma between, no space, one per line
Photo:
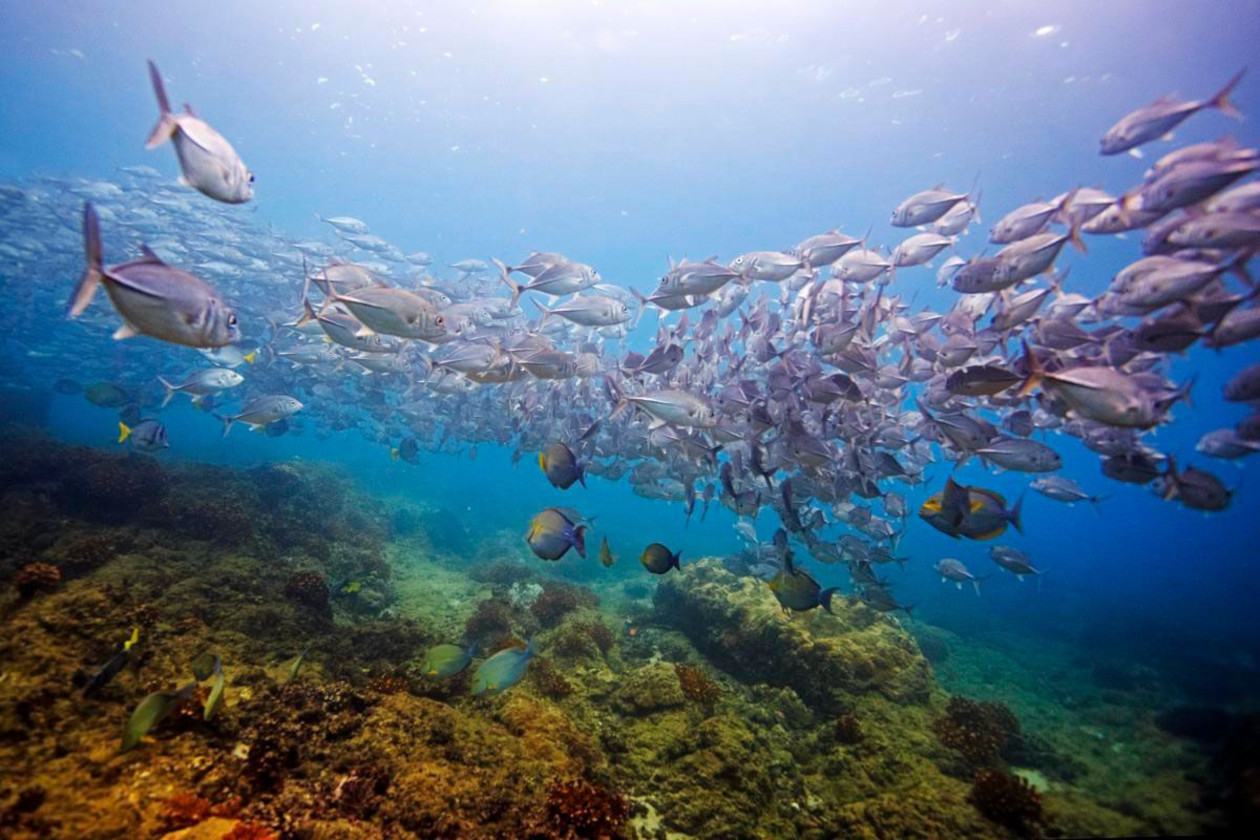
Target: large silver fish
[153,298]
[208,162]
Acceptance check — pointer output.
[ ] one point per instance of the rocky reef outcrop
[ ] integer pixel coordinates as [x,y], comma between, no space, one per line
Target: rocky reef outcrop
[827,659]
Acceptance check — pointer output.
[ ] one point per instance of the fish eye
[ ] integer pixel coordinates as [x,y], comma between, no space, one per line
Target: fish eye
[232,320]
[440,320]
[251,177]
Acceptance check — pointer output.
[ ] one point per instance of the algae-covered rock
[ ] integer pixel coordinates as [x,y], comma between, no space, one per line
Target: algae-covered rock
[650,689]
[214,828]
[826,659]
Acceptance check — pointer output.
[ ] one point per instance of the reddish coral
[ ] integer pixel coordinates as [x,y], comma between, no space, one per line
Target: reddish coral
[978,731]
[183,810]
[550,682]
[579,809]
[388,684]
[311,591]
[1007,799]
[36,577]
[250,831]
[491,620]
[558,600]
[359,793]
[696,686]
[187,809]
[602,636]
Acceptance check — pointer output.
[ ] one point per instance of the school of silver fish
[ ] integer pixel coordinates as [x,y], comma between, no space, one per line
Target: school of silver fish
[803,379]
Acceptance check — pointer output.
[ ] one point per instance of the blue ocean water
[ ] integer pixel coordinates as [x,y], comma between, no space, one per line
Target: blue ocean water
[622,134]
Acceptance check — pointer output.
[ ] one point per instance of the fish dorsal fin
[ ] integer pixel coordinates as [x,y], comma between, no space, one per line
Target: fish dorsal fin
[188,109]
[149,256]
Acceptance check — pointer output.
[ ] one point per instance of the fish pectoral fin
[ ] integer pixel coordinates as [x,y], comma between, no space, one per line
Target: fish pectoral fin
[127,330]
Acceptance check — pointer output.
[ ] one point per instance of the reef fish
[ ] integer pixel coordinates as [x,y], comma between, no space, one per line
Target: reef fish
[796,589]
[150,712]
[106,395]
[658,559]
[561,466]
[144,436]
[446,660]
[112,666]
[502,670]
[552,533]
[971,512]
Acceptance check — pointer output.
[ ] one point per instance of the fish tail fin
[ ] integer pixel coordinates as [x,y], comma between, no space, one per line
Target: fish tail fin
[643,304]
[581,474]
[1074,231]
[92,272]
[546,313]
[227,423]
[170,391]
[1016,512]
[617,394]
[504,271]
[1221,100]
[308,312]
[579,540]
[1171,478]
[825,597]
[678,560]
[1035,371]
[166,125]
[1096,503]
[124,431]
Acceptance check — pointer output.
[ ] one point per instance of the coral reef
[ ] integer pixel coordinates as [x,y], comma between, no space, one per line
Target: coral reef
[578,809]
[184,810]
[977,731]
[36,577]
[502,573]
[490,621]
[847,730]
[721,717]
[696,686]
[582,640]
[649,689]
[558,600]
[549,681]
[311,591]
[736,623]
[1008,800]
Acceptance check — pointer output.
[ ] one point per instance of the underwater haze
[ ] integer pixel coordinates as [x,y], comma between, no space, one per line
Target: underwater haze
[652,420]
